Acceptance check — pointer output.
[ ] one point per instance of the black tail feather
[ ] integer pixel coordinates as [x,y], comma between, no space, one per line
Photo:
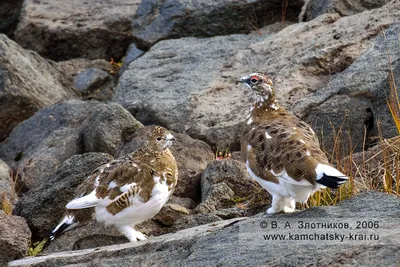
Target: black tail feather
[66,223]
[332,181]
[53,235]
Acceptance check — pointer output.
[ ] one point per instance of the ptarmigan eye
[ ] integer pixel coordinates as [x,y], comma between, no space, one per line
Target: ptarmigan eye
[254,80]
[158,139]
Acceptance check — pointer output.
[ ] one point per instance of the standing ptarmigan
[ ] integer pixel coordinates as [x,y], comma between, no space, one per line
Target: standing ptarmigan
[128,190]
[282,152]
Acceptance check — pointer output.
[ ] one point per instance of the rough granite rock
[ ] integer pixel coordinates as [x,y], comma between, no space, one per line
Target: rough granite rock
[15,238]
[310,63]
[91,29]
[132,54]
[195,220]
[343,7]
[108,127]
[192,157]
[44,205]
[159,20]
[171,213]
[219,196]
[39,145]
[74,66]
[9,16]
[225,183]
[94,84]
[229,243]
[178,79]
[27,84]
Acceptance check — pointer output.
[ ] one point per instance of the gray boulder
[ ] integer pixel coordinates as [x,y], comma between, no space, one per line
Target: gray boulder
[44,205]
[62,30]
[225,184]
[15,238]
[192,157]
[158,20]
[132,54]
[347,99]
[343,7]
[319,68]
[39,145]
[9,16]
[184,89]
[27,84]
[94,84]
[242,242]
[108,127]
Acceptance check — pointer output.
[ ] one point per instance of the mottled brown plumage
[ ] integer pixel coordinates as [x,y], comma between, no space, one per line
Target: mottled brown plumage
[281,151]
[129,180]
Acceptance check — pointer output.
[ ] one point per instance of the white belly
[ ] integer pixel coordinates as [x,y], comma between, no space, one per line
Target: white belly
[300,193]
[138,212]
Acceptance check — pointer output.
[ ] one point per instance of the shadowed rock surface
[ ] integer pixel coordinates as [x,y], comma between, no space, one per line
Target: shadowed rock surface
[158,20]
[240,242]
[44,205]
[94,84]
[61,30]
[9,16]
[28,83]
[39,145]
[343,7]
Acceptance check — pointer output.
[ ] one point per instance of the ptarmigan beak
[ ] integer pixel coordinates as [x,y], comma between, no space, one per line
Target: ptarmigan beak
[242,80]
[170,137]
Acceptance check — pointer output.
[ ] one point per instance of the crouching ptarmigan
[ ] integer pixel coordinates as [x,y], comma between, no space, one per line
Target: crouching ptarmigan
[126,191]
[282,152]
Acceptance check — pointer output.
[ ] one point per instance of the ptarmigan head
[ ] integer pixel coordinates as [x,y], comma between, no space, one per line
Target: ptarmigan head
[160,138]
[259,83]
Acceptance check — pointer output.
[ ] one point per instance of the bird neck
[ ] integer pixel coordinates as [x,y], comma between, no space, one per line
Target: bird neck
[263,104]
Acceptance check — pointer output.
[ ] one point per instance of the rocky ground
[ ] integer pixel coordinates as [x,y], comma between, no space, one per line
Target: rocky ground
[240,241]
[65,109]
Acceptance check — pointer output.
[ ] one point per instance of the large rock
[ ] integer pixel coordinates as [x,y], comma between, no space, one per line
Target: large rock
[319,67]
[62,30]
[9,16]
[15,238]
[158,20]
[242,242]
[226,183]
[39,145]
[343,104]
[27,84]
[108,127]
[343,7]
[44,205]
[192,157]
[166,84]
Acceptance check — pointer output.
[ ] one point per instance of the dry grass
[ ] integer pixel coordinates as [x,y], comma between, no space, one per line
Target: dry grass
[376,169]
[6,203]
